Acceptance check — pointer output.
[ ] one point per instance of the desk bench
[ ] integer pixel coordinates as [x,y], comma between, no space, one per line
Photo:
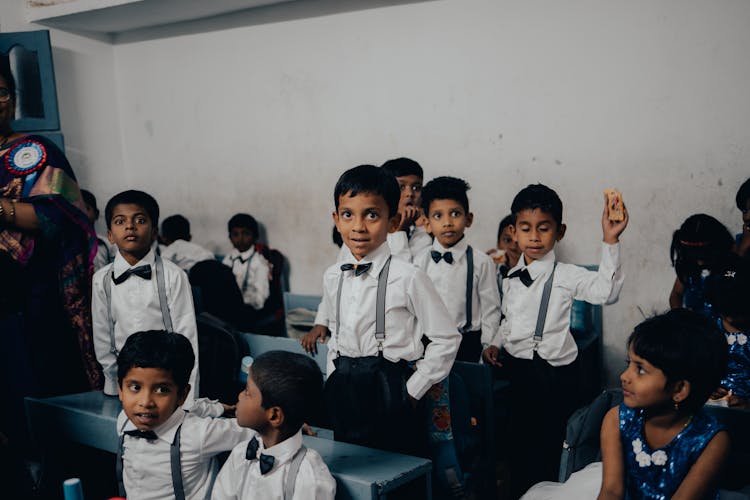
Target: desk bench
[90,419]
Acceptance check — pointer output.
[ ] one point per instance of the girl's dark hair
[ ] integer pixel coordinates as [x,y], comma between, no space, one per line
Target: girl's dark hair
[729,290]
[699,238]
[290,381]
[368,179]
[157,349]
[685,345]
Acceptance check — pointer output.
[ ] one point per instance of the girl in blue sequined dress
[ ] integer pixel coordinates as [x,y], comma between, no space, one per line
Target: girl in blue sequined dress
[700,246]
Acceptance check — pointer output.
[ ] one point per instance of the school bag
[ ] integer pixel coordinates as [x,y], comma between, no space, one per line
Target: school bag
[220,352]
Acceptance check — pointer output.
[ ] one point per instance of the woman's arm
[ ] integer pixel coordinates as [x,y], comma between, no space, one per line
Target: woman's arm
[613,473]
[18,215]
[675,296]
[705,472]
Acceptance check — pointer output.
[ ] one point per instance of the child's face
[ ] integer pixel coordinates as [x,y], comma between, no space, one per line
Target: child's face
[447,220]
[643,384]
[411,191]
[150,396]
[91,212]
[508,243]
[242,238]
[250,412]
[536,233]
[132,230]
[363,222]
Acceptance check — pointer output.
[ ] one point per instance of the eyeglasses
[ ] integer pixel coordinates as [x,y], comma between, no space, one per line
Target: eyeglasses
[5,94]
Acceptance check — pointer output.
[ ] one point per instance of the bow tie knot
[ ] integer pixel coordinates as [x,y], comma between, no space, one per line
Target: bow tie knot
[523,275]
[447,256]
[265,461]
[359,269]
[150,435]
[143,271]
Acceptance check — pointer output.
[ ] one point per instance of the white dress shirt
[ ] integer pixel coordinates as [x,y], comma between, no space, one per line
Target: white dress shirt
[185,254]
[105,253]
[412,308]
[450,282]
[571,282]
[253,273]
[241,479]
[407,247]
[147,467]
[136,308]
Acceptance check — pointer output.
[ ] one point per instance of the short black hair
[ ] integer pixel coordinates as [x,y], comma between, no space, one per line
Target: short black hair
[133,197]
[7,74]
[508,220]
[245,221]
[368,179]
[685,345]
[743,194]
[290,381]
[90,200]
[445,188]
[176,227]
[729,290]
[157,349]
[538,196]
[399,167]
[700,237]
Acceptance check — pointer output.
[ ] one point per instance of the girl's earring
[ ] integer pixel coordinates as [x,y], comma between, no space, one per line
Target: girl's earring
[676,406]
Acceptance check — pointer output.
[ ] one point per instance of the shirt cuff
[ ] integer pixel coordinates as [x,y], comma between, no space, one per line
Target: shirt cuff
[417,385]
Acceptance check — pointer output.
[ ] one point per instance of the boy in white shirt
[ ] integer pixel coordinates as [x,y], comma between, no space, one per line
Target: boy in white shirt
[539,351]
[380,307]
[166,452]
[473,300]
[282,391]
[139,290]
[177,245]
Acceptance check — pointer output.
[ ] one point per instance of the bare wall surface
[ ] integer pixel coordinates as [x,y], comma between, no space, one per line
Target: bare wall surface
[649,97]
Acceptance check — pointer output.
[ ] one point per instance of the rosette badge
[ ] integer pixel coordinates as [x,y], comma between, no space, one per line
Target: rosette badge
[26,157]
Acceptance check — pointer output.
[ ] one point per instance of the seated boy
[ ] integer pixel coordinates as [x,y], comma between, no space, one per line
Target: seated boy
[166,452]
[104,253]
[139,290]
[379,309]
[283,389]
[464,279]
[251,270]
[539,350]
[743,204]
[175,236]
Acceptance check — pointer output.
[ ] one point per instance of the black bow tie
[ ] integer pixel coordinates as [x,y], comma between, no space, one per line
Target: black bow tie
[150,435]
[239,257]
[143,271]
[523,275]
[359,269]
[265,461]
[447,256]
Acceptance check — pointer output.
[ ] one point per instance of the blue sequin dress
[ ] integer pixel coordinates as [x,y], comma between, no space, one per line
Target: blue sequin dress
[737,378]
[694,296]
[656,474]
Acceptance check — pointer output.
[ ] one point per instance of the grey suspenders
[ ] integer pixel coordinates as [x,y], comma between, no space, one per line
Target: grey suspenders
[291,478]
[165,316]
[174,460]
[542,317]
[379,305]
[469,285]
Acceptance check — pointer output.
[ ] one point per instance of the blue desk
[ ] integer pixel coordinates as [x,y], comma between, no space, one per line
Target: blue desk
[361,473]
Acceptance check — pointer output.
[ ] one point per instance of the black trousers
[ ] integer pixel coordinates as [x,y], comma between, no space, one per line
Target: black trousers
[542,398]
[368,405]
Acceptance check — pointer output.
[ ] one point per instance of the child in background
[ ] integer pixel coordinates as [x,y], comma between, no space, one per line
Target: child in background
[104,253]
[730,293]
[175,236]
[659,443]
[507,253]
[282,392]
[152,371]
[743,204]
[139,290]
[251,270]
[410,237]
[700,246]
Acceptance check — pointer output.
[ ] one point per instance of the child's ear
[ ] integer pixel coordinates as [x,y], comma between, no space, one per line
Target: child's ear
[275,416]
[513,232]
[110,237]
[119,390]
[183,396]
[154,234]
[561,231]
[680,391]
[469,219]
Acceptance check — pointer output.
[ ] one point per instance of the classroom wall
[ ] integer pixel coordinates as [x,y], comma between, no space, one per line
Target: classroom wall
[262,113]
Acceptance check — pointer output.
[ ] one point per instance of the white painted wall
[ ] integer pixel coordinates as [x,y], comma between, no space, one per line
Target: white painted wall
[649,97]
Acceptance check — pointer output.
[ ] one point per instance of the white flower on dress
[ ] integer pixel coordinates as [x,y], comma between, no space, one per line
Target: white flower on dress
[741,339]
[643,458]
[659,457]
[731,339]
[637,446]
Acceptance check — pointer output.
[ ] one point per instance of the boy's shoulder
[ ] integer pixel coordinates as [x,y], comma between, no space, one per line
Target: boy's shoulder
[97,279]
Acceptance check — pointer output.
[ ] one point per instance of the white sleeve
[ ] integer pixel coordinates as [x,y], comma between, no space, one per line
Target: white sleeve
[222,434]
[321,316]
[204,407]
[602,286]
[504,330]
[315,477]
[259,287]
[398,242]
[100,327]
[182,311]
[489,299]
[228,482]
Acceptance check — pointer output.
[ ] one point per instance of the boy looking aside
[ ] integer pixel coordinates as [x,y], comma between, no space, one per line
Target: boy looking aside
[283,389]
[539,351]
[165,452]
[379,309]
[139,290]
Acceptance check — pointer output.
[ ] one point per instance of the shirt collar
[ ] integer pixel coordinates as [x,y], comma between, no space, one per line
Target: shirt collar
[377,257]
[165,431]
[284,451]
[536,268]
[457,250]
[235,254]
[121,265]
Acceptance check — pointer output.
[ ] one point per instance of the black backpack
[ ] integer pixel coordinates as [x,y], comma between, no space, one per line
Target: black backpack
[220,352]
